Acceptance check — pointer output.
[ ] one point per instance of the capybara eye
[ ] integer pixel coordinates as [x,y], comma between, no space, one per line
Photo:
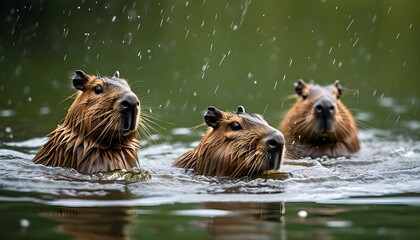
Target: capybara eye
[98,89]
[235,126]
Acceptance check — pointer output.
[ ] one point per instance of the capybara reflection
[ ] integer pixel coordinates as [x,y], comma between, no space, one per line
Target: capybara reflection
[99,132]
[319,124]
[235,145]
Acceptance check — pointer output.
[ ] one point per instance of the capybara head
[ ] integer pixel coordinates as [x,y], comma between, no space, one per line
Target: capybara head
[99,132]
[235,145]
[105,110]
[319,124]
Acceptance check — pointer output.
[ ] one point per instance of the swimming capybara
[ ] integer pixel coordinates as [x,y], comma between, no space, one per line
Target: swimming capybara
[235,145]
[319,124]
[99,132]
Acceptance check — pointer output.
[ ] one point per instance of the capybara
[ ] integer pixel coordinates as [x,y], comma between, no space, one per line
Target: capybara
[319,124]
[98,133]
[235,145]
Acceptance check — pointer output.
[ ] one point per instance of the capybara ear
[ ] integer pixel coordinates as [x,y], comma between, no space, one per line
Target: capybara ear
[79,80]
[212,117]
[339,88]
[299,86]
[241,109]
[117,74]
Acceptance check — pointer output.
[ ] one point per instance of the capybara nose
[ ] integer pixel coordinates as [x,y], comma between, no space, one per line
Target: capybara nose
[129,108]
[324,108]
[274,142]
[129,102]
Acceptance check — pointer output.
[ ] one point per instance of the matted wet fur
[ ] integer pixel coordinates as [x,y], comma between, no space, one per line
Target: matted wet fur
[319,124]
[235,145]
[99,132]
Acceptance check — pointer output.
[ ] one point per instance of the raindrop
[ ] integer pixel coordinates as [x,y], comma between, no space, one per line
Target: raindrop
[24,223]
[87,36]
[26,90]
[374,92]
[114,18]
[374,18]
[223,58]
[250,75]
[234,27]
[398,118]
[302,214]
[8,129]
[194,93]
[275,85]
[398,35]
[389,10]
[350,24]
[354,44]
[217,88]
[290,62]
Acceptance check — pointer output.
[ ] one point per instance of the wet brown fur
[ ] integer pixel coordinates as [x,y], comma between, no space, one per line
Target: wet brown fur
[90,138]
[225,152]
[299,126]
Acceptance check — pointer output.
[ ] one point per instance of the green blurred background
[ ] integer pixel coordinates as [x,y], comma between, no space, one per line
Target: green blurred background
[181,56]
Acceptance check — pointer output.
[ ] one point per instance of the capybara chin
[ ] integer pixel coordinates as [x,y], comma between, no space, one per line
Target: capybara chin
[319,124]
[235,145]
[99,132]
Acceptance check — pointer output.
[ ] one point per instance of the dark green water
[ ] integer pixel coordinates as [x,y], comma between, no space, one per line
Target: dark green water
[182,56]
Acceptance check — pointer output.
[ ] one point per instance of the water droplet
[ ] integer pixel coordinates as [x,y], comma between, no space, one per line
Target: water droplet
[234,27]
[114,18]
[350,24]
[24,223]
[302,214]
[8,129]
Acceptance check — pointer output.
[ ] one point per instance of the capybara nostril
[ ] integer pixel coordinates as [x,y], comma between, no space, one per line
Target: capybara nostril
[324,108]
[129,100]
[319,108]
[274,142]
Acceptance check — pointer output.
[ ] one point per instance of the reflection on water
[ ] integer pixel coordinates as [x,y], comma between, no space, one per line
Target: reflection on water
[247,221]
[93,223]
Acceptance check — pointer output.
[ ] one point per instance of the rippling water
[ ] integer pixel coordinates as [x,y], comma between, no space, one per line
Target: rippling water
[38,201]
[381,168]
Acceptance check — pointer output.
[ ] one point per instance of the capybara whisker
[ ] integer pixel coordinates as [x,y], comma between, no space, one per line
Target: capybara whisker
[98,133]
[235,145]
